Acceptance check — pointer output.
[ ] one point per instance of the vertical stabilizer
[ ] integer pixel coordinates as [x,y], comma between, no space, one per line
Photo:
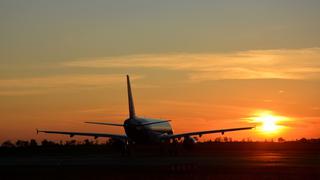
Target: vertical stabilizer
[132,113]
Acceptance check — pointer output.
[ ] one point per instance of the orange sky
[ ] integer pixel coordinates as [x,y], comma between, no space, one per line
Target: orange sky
[206,65]
[196,94]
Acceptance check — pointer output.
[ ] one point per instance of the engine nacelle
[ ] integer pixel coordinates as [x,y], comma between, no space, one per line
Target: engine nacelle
[189,141]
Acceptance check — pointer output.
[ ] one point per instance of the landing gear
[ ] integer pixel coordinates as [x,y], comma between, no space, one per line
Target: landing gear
[169,148]
[174,148]
[125,149]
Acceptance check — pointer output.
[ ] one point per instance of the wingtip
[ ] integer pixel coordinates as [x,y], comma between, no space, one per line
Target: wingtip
[90,122]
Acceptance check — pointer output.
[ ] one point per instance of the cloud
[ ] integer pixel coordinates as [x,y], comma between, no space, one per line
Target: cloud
[38,85]
[255,64]
[202,105]
[62,80]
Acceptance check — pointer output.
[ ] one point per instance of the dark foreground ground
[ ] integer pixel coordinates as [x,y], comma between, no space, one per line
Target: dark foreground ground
[205,161]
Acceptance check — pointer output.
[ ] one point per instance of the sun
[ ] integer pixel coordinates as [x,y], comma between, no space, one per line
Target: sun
[268,122]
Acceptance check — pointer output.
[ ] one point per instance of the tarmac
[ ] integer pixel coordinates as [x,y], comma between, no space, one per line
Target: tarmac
[244,164]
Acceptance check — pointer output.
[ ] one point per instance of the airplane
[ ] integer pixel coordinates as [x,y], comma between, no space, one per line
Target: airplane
[140,130]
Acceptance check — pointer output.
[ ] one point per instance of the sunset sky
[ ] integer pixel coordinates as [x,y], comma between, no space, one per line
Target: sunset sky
[203,64]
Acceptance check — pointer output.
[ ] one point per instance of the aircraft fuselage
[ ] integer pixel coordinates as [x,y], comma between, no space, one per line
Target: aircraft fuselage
[139,133]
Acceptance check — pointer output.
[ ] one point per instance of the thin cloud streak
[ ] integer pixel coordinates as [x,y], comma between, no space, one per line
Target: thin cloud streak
[255,64]
[40,85]
[57,81]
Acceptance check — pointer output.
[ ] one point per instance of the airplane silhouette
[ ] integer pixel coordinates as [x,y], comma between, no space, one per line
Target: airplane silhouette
[144,130]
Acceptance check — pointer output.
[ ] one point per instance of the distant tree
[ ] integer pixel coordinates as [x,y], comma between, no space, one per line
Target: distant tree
[87,142]
[303,140]
[22,144]
[217,139]
[280,139]
[225,139]
[71,143]
[8,144]
[46,143]
[33,143]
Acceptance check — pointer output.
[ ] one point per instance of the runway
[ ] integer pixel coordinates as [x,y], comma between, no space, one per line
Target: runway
[253,164]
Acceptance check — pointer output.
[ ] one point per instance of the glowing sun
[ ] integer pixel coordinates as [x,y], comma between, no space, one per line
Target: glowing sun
[268,123]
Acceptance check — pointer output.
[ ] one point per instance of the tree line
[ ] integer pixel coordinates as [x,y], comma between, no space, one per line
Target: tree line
[87,142]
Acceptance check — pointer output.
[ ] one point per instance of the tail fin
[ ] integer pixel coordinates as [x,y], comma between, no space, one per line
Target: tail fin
[132,113]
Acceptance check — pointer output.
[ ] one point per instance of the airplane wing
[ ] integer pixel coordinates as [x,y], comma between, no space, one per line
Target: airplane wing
[95,135]
[200,133]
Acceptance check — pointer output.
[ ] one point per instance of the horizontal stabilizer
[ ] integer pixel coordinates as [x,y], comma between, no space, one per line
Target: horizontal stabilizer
[157,122]
[103,123]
